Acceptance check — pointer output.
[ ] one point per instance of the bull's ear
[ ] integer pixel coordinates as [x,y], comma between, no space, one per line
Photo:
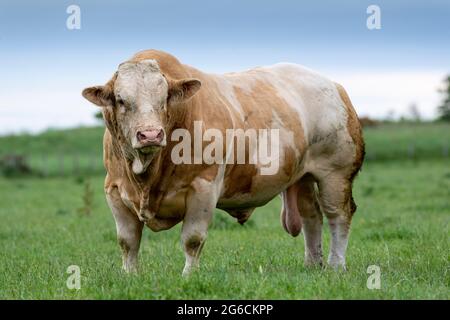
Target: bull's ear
[99,95]
[182,90]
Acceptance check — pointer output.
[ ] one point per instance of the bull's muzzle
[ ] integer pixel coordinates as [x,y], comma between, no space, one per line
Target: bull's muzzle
[150,139]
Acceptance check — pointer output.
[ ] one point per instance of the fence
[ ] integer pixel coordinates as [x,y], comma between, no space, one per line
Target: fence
[45,165]
[407,152]
[61,164]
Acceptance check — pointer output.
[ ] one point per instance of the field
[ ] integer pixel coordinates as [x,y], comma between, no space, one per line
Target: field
[402,226]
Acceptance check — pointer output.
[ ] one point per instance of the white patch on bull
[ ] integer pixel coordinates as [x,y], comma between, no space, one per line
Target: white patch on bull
[144,87]
[226,89]
[126,231]
[314,97]
[246,86]
[139,166]
[200,208]
[126,199]
[150,64]
[339,239]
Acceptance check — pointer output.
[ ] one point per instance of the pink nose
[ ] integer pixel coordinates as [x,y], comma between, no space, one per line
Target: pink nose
[152,136]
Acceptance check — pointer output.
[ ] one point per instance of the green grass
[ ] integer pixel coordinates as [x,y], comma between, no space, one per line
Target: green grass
[402,225]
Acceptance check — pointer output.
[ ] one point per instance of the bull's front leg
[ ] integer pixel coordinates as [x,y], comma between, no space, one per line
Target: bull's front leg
[200,205]
[129,230]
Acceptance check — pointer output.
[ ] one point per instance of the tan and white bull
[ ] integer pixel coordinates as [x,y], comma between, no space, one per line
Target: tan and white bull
[320,150]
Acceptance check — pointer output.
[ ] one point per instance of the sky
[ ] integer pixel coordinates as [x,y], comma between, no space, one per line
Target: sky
[44,65]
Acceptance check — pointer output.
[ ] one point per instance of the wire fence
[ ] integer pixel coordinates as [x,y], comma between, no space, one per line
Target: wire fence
[408,152]
[62,164]
[45,165]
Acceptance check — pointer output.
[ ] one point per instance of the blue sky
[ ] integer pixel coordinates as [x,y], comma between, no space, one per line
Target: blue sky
[45,66]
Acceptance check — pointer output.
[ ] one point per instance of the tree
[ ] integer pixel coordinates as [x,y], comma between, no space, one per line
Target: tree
[414,112]
[390,116]
[444,108]
[98,115]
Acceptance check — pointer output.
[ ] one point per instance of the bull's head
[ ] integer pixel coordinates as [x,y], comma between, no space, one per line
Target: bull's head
[139,96]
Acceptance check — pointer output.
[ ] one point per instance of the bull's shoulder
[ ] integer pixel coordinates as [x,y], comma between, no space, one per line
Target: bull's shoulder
[111,159]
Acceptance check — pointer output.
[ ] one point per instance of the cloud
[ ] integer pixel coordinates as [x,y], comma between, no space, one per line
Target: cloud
[376,93]
[36,110]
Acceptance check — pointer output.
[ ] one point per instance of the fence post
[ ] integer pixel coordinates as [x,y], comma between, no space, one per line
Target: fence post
[92,163]
[411,151]
[44,165]
[76,164]
[61,164]
[445,150]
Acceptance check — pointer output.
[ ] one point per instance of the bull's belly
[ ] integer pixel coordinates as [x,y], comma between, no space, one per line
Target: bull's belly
[258,190]
[173,205]
[248,200]
[260,194]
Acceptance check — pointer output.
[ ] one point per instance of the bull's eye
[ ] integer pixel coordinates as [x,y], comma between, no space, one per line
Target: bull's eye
[119,102]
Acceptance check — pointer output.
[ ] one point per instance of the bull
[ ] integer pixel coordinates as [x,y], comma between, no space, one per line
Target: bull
[319,150]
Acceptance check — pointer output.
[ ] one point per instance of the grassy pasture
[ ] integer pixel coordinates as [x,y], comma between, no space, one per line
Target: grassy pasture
[402,226]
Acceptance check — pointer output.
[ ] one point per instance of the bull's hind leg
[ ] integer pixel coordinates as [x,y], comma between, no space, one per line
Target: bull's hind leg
[335,196]
[129,230]
[311,219]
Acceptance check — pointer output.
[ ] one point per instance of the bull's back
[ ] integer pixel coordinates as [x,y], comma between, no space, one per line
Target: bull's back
[297,95]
